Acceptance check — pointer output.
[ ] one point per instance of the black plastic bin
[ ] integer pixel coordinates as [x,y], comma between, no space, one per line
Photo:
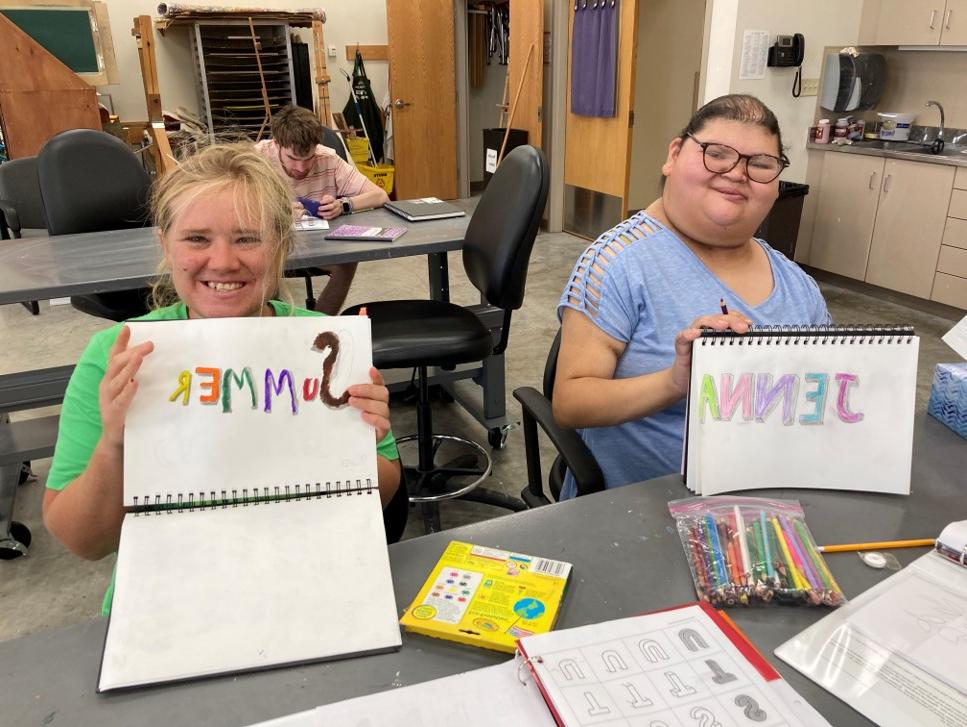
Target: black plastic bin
[492,139]
[781,226]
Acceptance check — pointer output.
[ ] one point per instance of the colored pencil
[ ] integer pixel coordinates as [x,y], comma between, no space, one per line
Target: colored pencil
[784,554]
[770,573]
[716,549]
[698,560]
[828,581]
[881,545]
[743,544]
[799,555]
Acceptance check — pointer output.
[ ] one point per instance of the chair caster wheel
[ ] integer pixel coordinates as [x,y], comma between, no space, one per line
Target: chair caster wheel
[497,437]
[18,542]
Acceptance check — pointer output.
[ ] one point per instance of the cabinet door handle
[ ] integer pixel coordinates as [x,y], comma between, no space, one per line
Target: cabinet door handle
[872,177]
[933,17]
[886,182]
[946,22]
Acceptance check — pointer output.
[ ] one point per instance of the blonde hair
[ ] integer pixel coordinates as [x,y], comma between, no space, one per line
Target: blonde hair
[257,188]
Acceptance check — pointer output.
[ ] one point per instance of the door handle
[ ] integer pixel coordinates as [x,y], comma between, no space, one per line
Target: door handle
[947,19]
[886,182]
[933,17]
[400,103]
[872,177]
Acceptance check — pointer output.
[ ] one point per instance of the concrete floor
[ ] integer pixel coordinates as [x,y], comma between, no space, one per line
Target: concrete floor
[51,588]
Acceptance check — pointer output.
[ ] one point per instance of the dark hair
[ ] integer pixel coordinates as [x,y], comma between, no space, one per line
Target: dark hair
[733,107]
[296,128]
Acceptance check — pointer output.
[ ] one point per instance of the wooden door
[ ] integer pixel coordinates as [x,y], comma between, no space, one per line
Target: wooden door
[527,38]
[597,151]
[423,92]
[954,30]
[901,22]
[909,226]
[849,192]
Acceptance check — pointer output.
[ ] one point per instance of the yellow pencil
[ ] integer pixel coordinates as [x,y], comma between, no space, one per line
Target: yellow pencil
[798,580]
[882,545]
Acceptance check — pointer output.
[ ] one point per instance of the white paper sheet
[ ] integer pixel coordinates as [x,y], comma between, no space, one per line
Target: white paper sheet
[310,222]
[675,667]
[924,621]
[176,443]
[755,53]
[892,691]
[480,698]
[829,432]
[956,338]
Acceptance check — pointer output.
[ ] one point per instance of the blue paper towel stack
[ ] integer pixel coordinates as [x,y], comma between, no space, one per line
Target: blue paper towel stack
[948,396]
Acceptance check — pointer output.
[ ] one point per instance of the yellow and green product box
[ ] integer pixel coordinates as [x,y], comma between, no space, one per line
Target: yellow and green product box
[488,597]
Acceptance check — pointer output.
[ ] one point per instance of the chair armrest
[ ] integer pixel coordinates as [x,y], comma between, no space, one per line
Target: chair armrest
[575,453]
[10,217]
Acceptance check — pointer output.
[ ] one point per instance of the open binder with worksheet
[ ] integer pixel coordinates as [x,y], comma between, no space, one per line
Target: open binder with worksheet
[253,536]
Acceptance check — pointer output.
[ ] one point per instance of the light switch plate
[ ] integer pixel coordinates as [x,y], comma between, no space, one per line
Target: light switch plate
[810,87]
[332,54]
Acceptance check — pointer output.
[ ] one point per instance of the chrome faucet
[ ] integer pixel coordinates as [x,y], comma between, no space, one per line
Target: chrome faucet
[939,106]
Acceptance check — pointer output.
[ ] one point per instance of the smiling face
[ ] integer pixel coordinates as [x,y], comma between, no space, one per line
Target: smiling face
[718,210]
[223,264]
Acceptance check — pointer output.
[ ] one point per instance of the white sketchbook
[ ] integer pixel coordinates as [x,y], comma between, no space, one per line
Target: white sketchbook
[254,536]
[829,407]
[896,652]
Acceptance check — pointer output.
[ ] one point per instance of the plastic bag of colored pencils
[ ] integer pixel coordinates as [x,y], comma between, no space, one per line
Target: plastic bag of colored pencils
[746,550]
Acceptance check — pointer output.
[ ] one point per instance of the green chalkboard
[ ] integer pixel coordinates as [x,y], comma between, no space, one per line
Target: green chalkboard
[65,32]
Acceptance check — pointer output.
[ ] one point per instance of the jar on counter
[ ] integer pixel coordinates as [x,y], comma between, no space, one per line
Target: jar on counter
[822,132]
[841,129]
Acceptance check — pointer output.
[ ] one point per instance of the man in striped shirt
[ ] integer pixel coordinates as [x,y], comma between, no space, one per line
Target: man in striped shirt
[318,175]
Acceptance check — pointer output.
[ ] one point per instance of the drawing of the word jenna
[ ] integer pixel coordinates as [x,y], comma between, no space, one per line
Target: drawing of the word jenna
[757,396]
[217,386]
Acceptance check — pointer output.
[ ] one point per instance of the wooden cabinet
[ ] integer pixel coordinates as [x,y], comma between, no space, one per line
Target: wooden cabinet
[910,222]
[914,22]
[885,221]
[849,192]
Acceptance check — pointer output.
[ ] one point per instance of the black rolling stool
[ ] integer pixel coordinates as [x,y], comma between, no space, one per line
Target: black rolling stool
[420,334]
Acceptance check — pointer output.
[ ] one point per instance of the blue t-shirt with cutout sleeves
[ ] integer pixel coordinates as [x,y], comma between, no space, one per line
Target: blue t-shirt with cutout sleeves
[641,285]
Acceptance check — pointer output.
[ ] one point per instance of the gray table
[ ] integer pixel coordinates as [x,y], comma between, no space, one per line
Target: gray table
[627,559]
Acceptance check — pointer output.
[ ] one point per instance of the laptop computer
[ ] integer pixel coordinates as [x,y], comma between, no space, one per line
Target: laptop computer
[427,208]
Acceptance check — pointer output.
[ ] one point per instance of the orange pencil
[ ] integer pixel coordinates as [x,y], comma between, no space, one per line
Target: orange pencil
[881,545]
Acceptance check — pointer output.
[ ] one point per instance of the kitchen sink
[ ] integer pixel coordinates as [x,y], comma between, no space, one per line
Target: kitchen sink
[906,147]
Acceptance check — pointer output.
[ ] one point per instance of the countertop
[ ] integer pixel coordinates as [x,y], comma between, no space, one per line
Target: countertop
[957,158]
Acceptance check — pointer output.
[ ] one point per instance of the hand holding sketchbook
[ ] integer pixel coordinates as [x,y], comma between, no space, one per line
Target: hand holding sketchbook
[257,539]
[829,407]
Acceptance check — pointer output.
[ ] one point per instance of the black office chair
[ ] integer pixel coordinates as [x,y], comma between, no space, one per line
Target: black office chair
[423,333]
[396,512]
[331,139]
[91,181]
[573,453]
[21,206]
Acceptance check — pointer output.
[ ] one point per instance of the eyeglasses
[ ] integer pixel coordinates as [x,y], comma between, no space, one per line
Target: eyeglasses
[722,158]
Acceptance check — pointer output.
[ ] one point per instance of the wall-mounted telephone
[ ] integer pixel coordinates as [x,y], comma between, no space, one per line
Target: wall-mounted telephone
[789,50]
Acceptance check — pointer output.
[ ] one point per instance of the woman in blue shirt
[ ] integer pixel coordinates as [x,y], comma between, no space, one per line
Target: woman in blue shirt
[639,294]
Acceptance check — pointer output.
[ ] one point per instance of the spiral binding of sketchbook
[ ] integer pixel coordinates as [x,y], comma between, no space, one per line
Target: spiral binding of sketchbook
[234,582]
[801,406]
[158,504]
[807,334]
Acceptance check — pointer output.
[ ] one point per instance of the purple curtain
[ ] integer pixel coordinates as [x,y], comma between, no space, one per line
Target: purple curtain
[594,51]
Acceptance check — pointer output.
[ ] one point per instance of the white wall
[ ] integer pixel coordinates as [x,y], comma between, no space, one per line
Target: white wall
[348,22]
[823,22]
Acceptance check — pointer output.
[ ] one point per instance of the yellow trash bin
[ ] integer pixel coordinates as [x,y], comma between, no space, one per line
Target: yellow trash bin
[380,175]
[358,149]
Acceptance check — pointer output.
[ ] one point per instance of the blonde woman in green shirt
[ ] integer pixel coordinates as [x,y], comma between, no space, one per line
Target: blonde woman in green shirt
[224,221]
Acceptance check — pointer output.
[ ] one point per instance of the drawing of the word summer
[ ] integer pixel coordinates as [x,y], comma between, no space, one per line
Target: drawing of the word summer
[218,385]
[756,396]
